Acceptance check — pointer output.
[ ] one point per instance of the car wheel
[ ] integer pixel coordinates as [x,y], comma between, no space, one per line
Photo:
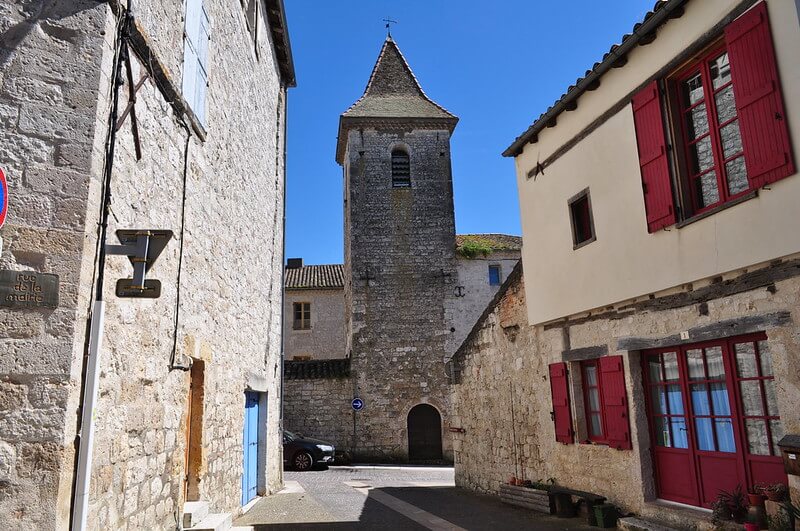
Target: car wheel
[303,461]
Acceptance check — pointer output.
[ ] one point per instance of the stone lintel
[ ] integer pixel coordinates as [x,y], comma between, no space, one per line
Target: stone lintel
[585,353]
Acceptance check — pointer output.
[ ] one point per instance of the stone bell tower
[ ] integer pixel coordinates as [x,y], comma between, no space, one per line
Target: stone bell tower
[394,147]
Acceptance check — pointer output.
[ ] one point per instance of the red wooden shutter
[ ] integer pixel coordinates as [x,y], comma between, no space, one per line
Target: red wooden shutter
[762,119]
[652,143]
[615,402]
[562,415]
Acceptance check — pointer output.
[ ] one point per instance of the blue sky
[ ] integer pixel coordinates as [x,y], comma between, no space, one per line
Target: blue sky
[497,66]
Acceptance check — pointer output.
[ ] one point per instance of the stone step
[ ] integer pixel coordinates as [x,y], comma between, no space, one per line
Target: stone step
[214,522]
[242,528]
[194,512]
[631,523]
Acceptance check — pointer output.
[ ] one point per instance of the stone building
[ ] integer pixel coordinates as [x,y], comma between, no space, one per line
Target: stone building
[411,289]
[168,117]
[653,357]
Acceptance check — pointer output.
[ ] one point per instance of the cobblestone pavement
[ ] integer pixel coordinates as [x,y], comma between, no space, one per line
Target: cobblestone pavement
[388,498]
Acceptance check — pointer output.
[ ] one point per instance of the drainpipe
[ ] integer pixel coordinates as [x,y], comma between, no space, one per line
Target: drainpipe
[80,502]
[283,269]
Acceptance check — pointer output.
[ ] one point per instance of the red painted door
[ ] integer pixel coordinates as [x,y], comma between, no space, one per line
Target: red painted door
[713,418]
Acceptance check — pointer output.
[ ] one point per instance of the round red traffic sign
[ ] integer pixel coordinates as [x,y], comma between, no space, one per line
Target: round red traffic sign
[3,197]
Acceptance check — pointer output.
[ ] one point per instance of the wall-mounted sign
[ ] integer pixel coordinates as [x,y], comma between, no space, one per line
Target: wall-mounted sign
[28,289]
[357,404]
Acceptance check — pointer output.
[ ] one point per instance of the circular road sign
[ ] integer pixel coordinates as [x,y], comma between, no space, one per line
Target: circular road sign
[3,198]
[357,404]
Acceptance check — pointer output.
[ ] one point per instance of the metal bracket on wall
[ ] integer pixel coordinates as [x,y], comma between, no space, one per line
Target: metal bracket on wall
[142,247]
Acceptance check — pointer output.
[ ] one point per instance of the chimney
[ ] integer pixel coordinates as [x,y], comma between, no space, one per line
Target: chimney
[294,263]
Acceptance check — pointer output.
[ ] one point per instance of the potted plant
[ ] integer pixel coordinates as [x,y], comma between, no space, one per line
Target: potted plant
[776,492]
[606,515]
[730,506]
[756,495]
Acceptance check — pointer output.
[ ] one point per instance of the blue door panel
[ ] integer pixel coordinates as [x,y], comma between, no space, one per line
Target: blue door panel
[250,447]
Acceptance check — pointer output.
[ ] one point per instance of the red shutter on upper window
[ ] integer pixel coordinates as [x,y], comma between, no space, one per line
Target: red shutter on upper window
[615,402]
[652,142]
[756,87]
[562,416]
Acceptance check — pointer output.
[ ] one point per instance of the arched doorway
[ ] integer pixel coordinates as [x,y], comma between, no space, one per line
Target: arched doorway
[424,433]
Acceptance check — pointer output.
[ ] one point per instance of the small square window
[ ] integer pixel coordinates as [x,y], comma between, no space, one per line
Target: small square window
[580,215]
[302,315]
[494,275]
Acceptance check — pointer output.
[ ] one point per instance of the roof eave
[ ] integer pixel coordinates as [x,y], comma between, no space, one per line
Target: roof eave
[644,29]
[276,17]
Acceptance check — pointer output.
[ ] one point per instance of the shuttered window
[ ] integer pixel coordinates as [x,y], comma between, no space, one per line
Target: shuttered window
[606,402]
[729,121]
[401,169]
[195,58]
[561,414]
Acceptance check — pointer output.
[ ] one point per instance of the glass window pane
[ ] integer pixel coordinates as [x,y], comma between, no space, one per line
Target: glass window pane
[731,139]
[719,399]
[707,189]
[772,399]
[746,360]
[594,399]
[766,358]
[720,70]
[661,428]
[595,427]
[751,397]
[697,121]
[675,399]
[776,427]
[757,441]
[700,404]
[658,399]
[679,438]
[654,364]
[726,106]
[590,371]
[693,89]
[737,176]
[694,359]
[716,368]
[725,435]
[670,366]
[705,435]
[701,155]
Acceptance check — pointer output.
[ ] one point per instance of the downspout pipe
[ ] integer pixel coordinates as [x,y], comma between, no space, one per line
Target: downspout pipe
[80,502]
[283,262]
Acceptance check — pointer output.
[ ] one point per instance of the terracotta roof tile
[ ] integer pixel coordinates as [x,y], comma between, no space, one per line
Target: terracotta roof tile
[330,276]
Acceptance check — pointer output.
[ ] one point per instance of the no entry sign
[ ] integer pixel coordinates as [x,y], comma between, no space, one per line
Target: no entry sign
[3,197]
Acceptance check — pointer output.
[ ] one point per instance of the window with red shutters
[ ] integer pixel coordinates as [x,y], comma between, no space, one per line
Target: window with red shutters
[606,402]
[729,129]
[561,414]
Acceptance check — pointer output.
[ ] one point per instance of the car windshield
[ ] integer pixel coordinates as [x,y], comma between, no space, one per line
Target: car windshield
[289,435]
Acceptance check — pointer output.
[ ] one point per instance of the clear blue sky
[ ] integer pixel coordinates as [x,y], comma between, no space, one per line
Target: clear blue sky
[496,65]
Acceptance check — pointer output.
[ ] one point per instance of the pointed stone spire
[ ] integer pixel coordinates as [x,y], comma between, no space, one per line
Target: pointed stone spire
[392,92]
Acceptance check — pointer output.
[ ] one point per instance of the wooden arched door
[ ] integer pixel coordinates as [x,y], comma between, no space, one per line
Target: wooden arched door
[424,433]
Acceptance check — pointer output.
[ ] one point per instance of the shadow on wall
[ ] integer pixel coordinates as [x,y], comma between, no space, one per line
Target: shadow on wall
[35,12]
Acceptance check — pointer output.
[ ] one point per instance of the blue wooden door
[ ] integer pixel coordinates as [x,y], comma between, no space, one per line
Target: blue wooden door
[251,431]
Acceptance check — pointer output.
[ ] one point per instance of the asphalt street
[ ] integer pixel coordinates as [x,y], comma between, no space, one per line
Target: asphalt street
[388,498]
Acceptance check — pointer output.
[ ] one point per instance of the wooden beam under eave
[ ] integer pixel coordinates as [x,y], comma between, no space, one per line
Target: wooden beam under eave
[533,139]
[594,85]
[571,106]
[551,122]
[647,39]
[619,63]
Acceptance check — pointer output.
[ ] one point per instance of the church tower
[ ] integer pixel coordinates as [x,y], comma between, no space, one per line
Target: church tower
[394,148]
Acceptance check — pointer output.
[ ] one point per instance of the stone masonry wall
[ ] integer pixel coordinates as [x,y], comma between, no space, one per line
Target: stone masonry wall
[325,339]
[501,357]
[320,408]
[221,280]
[402,267]
[51,58]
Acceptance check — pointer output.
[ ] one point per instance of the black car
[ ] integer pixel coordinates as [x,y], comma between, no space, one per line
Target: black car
[302,453]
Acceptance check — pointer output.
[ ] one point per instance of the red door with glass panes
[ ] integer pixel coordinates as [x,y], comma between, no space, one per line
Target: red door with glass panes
[713,418]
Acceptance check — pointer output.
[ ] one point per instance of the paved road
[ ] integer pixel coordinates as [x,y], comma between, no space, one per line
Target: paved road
[388,498]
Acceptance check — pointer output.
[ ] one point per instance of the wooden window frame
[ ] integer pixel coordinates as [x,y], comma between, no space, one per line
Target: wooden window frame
[603,437]
[304,322]
[583,194]
[676,116]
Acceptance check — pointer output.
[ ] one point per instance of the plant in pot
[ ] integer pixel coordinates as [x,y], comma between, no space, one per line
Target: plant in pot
[756,495]
[776,492]
[729,506]
[753,523]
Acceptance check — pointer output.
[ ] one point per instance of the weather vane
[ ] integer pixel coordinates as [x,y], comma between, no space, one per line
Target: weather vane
[389,22]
